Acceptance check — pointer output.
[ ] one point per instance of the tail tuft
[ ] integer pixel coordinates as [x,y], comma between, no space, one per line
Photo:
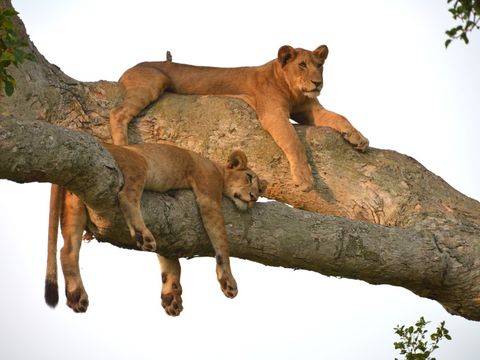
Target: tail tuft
[51,293]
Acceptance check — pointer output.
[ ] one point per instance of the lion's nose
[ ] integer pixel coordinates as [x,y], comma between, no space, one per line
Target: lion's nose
[317,83]
[253,197]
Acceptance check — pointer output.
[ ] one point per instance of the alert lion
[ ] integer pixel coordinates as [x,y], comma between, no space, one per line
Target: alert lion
[282,89]
[156,167]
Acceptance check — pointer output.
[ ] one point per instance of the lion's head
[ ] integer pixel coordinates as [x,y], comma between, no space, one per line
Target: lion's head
[241,184]
[303,69]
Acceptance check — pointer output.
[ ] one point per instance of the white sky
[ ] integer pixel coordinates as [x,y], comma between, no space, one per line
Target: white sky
[387,71]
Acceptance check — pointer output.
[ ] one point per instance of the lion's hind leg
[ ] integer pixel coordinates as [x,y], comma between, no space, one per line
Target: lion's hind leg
[73,222]
[141,85]
[171,288]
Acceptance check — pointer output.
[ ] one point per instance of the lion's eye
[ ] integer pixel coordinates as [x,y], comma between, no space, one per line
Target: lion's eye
[249,178]
[302,65]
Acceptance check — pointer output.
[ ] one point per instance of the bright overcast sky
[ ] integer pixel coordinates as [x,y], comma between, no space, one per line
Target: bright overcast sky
[387,71]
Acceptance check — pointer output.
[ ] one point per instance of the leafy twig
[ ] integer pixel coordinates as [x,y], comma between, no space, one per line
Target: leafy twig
[413,343]
[468,13]
[11,52]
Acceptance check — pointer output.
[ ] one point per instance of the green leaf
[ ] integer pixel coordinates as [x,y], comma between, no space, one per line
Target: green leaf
[30,56]
[19,55]
[9,12]
[422,321]
[451,32]
[9,87]
[7,56]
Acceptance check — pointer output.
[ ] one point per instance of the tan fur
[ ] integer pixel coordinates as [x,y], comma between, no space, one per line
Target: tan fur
[156,167]
[286,87]
[51,285]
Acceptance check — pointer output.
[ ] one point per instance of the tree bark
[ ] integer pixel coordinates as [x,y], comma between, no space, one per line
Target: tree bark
[378,216]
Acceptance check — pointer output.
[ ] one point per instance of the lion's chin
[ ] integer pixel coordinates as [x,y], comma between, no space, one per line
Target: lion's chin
[312,94]
[240,204]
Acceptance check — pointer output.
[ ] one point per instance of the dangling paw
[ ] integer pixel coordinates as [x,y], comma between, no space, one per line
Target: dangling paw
[228,286]
[77,300]
[145,240]
[172,298]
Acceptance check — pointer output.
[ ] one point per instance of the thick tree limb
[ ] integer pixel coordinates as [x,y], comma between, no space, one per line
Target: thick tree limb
[415,258]
[416,231]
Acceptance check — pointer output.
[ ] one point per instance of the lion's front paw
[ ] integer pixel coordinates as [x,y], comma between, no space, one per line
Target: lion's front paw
[77,300]
[172,300]
[145,240]
[229,286]
[358,141]
[304,186]
[303,180]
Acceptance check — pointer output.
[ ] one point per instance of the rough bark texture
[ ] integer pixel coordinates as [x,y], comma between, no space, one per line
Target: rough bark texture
[395,222]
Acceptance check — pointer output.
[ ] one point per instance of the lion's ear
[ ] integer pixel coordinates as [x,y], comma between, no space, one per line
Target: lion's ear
[237,160]
[321,52]
[285,54]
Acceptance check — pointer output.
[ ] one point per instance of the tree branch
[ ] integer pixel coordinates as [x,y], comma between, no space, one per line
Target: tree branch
[59,156]
[415,258]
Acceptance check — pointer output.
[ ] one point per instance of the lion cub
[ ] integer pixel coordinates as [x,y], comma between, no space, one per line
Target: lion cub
[157,167]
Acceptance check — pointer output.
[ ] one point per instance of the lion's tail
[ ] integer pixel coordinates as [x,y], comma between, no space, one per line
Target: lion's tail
[51,283]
